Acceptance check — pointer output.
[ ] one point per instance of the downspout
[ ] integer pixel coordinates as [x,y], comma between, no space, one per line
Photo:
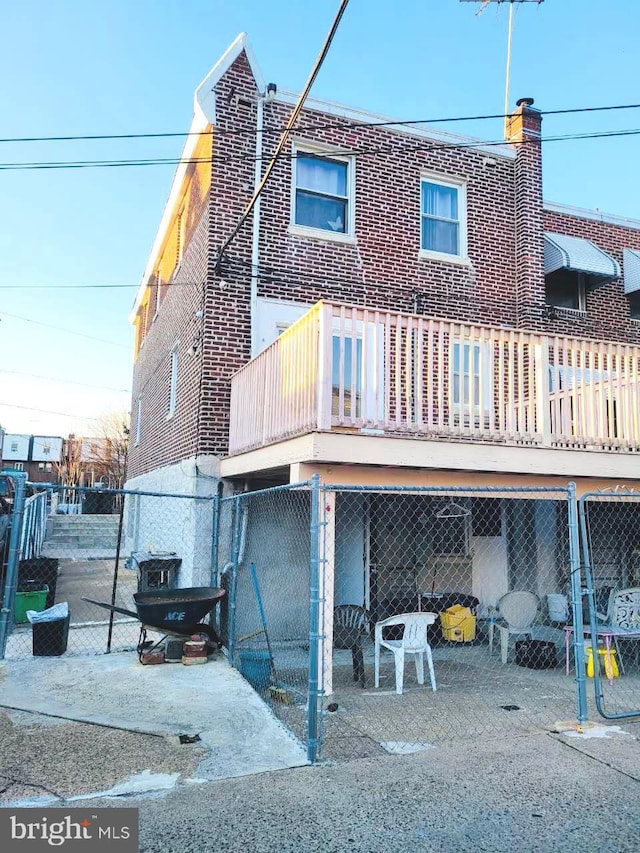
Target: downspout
[255,232]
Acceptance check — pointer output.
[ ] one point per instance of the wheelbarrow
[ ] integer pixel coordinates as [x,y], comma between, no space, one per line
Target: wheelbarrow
[172,612]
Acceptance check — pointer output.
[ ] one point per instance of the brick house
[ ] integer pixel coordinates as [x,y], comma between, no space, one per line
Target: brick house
[402,308]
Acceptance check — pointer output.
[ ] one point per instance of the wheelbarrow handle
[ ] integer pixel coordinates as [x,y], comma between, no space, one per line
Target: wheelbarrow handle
[113,608]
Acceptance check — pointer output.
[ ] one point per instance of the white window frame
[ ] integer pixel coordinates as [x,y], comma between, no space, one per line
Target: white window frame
[367,387]
[139,422]
[461,187]
[173,381]
[348,236]
[471,410]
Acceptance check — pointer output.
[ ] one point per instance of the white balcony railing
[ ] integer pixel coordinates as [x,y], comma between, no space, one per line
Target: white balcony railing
[342,367]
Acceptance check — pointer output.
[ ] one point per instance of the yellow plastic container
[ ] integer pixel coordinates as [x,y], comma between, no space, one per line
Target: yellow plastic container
[458,624]
[608,659]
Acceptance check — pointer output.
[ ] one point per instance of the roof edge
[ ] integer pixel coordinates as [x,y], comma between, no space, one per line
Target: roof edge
[204,113]
[595,215]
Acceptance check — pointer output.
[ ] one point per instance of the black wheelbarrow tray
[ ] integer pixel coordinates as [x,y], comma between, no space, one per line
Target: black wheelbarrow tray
[172,611]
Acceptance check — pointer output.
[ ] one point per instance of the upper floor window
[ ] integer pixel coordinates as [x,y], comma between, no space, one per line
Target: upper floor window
[634,306]
[443,217]
[323,193]
[566,288]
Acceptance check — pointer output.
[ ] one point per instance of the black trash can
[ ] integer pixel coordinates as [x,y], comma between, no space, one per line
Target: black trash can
[50,638]
[97,503]
[44,570]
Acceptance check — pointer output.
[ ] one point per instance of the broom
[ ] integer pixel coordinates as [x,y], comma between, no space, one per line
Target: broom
[278,692]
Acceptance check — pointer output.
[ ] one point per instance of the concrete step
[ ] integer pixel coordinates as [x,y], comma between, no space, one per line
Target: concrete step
[83,520]
[88,542]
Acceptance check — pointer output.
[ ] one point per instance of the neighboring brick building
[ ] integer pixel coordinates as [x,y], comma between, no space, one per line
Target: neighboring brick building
[382,218]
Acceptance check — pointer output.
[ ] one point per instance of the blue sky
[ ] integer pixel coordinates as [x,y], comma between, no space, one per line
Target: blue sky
[131,66]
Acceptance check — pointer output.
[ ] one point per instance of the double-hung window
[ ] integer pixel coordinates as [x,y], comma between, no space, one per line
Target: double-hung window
[323,197]
[472,389]
[443,217]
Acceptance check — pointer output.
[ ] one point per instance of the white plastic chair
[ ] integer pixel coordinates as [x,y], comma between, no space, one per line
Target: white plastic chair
[413,642]
[517,611]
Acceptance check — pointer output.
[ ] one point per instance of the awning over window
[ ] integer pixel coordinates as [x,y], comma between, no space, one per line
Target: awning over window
[631,263]
[579,255]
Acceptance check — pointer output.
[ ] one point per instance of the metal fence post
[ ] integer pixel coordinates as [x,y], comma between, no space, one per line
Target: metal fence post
[576,601]
[233,581]
[13,559]
[214,577]
[313,698]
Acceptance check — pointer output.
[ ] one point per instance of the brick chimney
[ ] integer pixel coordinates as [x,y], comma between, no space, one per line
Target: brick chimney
[523,130]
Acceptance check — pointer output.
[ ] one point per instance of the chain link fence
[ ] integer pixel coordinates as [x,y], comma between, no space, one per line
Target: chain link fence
[610,537]
[447,611]
[263,556]
[370,619]
[104,545]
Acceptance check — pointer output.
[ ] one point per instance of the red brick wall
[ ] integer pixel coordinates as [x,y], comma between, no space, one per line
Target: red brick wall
[607,315]
[168,440]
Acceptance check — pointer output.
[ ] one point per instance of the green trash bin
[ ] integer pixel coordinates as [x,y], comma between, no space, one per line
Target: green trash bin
[29,599]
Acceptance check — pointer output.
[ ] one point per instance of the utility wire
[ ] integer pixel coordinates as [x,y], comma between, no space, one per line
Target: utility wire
[251,130]
[289,127]
[62,329]
[48,412]
[65,381]
[354,152]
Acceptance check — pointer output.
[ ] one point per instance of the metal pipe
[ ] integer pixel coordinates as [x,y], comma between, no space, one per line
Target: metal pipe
[508,73]
[94,489]
[115,577]
[255,230]
[13,559]
[314,696]
[215,540]
[576,601]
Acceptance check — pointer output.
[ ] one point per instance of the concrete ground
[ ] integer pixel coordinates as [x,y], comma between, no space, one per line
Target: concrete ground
[531,794]
[477,697]
[236,732]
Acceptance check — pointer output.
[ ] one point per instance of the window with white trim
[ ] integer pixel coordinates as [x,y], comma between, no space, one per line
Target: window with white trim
[173,381]
[139,421]
[443,217]
[323,196]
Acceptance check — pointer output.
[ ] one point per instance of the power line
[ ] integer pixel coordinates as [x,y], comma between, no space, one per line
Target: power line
[65,381]
[48,412]
[354,152]
[289,127]
[62,329]
[251,130]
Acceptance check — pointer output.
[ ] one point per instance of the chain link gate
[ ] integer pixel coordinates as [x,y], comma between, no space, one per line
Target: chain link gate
[267,545]
[68,544]
[610,538]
